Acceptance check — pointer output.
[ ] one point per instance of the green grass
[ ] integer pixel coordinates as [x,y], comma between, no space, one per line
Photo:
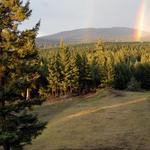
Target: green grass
[122,127]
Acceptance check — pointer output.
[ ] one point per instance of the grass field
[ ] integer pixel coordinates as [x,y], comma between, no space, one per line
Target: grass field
[108,120]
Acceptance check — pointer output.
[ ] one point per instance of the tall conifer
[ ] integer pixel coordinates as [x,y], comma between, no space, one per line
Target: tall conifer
[18,73]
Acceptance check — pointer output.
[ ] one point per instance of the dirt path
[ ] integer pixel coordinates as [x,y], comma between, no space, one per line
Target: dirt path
[96,109]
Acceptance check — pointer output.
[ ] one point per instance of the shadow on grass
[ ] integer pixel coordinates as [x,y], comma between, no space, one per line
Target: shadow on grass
[100,148]
[49,112]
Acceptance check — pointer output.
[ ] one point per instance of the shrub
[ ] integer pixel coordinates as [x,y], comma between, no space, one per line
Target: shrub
[142,75]
[134,85]
[122,75]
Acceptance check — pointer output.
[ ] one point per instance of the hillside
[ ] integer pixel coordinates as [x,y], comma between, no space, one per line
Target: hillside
[92,34]
[107,120]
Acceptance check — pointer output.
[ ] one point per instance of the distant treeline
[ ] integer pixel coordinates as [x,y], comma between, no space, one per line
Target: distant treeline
[83,68]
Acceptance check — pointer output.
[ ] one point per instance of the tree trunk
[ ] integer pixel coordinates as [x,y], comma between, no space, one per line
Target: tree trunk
[27,94]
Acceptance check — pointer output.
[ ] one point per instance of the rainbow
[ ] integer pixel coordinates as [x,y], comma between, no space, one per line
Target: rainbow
[140,21]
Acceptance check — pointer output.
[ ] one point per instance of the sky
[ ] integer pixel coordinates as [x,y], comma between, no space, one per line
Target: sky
[62,15]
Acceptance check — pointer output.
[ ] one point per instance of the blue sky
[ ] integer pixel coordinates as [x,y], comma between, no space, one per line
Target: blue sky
[61,15]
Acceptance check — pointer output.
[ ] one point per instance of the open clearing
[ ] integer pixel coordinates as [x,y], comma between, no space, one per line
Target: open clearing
[108,120]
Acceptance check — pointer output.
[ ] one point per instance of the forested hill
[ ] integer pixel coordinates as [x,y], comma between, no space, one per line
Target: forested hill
[92,34]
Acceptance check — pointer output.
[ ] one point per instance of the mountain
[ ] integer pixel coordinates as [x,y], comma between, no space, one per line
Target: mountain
[92,34]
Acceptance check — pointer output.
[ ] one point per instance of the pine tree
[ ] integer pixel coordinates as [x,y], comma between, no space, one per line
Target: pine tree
[62,44]
[145,56]
[18,73]
[142,75]
[70,71]
[96,73]
[108,68]
[42,81]
[73,75]
[85,78]
[122,75]
[99,45]
[100,53]
[65,59]
[55,75]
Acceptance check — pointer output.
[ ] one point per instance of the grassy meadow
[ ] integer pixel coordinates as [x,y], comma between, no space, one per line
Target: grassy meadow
[107,120]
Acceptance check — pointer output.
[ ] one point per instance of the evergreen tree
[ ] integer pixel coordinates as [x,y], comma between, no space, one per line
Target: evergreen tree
[85,78]
[100,53]
[108,69]
[62,44]
[65,59]
[122,75]
[142,75]
[96,73]
[18,73]
[73,75]
[55,75]
[42,81]
[51,76]
[70,71]
[99,45]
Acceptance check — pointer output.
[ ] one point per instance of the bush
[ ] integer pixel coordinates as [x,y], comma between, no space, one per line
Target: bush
[134,85]
[142,75]
[122,75]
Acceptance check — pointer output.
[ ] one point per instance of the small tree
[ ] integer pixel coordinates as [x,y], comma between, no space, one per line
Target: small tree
[142,75]
[122,75]
[55,75]
[70,71]
[85,79]
[134,85]
[96,73]
[18,73]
